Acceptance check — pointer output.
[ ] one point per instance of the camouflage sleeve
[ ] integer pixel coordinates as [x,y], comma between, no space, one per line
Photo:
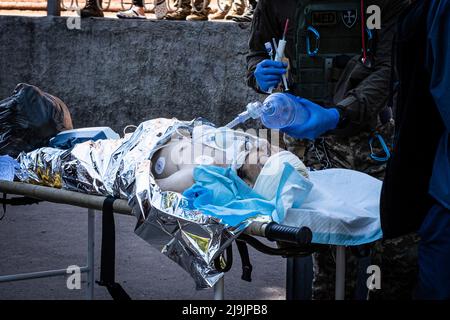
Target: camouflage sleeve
[363,103]
[263,27]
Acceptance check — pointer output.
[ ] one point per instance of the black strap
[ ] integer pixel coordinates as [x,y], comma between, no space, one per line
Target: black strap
[388,112]
[16,201]
[245,261]
[228,261]
[108,254]
[285,251]
[4,206]
[224,265]
[393,81]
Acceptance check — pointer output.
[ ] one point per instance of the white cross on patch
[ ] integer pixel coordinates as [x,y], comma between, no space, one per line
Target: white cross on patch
[349,18]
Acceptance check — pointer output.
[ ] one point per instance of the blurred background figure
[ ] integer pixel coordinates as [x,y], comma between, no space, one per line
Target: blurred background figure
[161,8]
[137,11]
[248,14]
[92,9]
[198,12]
[230,9]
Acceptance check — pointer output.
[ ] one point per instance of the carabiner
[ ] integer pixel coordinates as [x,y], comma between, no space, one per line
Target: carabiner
[387,152]
[367,58]
[369,34]
[316,35]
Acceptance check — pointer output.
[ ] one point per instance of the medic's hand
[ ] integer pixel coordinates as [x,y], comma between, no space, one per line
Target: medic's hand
[320,121]
[269,73]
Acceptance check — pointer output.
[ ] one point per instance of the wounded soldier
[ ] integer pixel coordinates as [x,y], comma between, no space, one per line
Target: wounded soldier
[173,164]
[225,173]
[193,186]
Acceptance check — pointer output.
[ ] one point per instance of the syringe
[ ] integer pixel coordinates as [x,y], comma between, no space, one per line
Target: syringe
[253,110]
[280,54]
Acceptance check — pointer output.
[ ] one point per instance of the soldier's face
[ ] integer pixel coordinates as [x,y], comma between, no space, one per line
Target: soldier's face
[256,160]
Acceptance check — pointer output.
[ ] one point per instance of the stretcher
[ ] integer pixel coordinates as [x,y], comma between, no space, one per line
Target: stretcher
[299,237]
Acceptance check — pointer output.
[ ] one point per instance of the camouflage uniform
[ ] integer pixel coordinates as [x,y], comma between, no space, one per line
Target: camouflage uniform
[361,93]
[199,5]
[331,151]
[229,9]
[198,12]
[238,4]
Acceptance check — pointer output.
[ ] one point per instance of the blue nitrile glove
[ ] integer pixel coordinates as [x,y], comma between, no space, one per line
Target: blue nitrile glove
[8,168]
[320,120]
[268,74]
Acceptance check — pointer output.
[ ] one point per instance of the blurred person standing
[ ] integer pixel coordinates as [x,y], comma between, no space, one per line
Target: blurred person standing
[198,12]
[137,11]
[231,9]
[248,14]
[416,190]
[93,8]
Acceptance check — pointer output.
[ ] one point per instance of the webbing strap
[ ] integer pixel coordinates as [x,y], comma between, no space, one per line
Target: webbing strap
[16,201]
[223,265]
[245,260]
[108,253]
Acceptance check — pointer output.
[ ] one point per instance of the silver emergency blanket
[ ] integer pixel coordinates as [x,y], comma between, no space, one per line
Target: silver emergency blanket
[41,166]
[122,168]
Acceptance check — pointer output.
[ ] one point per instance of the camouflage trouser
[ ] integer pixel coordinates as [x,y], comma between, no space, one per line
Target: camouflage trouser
[342,152]
[199,5]
[396,258]
[238,4]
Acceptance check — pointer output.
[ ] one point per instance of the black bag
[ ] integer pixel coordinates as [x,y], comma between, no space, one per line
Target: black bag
[29,118]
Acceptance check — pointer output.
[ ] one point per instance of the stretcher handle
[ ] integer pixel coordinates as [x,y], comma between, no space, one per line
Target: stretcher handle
[278,232]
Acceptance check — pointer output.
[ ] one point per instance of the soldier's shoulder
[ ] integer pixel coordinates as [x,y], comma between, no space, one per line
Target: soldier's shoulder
[386,4]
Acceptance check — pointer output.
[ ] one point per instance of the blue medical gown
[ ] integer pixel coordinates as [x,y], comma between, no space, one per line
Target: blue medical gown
[219,192]
[438,65]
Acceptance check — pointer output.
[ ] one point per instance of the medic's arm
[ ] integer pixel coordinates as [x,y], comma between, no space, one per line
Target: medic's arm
[362,105]
[439,57]
[264,28]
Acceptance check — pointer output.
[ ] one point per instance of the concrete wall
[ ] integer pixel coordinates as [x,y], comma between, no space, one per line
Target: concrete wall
[116,72]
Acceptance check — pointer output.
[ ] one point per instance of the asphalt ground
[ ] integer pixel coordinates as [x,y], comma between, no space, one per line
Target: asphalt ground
[53,236]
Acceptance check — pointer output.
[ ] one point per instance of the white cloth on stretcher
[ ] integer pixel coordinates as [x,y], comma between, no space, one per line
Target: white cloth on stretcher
[341,209]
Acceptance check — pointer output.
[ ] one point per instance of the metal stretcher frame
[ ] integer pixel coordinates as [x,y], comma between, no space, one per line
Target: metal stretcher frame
[93,203]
